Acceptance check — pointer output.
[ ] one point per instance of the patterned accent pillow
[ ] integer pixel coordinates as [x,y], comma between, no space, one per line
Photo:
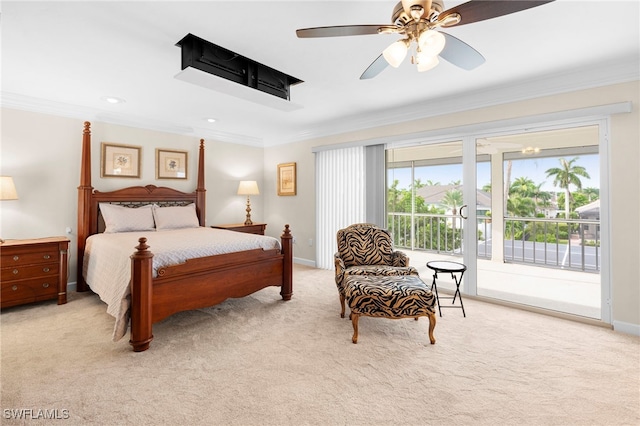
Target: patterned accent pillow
[127,219]
[175,217]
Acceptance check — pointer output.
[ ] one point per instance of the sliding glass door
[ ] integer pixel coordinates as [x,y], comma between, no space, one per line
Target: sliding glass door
[520,209]
[426,203]
[545,240]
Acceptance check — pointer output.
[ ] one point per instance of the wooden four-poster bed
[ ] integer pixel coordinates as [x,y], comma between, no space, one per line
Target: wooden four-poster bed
[158,292]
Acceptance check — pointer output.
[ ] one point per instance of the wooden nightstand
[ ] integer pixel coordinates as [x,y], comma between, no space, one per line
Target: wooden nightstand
[33,270]
[256,228]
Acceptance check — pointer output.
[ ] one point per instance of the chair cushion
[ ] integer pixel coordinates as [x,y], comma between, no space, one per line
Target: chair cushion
[382,270]
[389,296]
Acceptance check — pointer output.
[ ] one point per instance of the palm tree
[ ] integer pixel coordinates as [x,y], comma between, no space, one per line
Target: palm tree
[520,206]
[417,184]
[523,186]
[592,193]
[507,184]
[565,176]
[452,199]
[540,197]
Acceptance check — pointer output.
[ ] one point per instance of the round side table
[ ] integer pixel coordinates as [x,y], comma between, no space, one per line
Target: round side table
[452,268]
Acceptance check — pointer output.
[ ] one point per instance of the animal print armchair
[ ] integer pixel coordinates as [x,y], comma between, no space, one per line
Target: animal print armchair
[365,249]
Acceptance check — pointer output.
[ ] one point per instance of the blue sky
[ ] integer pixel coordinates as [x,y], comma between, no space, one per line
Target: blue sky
[533,168]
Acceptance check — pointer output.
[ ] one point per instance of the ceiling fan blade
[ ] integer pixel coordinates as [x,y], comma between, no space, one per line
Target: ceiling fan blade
[480,10]
[460,53]
[375,68]
[340,31]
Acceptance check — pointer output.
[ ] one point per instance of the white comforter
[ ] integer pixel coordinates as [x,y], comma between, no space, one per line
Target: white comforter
[107,263]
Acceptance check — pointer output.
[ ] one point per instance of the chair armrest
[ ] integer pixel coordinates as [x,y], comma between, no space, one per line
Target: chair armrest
[340,268]
[400,259]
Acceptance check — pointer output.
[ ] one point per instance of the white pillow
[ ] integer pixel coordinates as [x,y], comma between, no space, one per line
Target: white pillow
[175,217]
[127,219]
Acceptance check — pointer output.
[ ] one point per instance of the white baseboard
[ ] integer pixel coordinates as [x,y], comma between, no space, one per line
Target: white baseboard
[305,262]
[627,328]
[71,287]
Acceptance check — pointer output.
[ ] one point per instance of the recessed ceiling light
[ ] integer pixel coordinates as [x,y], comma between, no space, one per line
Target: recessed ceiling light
[211,120]
[112,100]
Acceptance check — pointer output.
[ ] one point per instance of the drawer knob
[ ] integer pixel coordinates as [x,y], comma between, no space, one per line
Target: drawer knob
[45,269]
[16,258]
[46,256]
[15,272]
[45,285]
[14,288]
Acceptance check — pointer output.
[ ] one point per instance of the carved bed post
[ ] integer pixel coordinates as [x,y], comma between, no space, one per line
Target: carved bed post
[287,277]
[84,203]
[141,297]
[200,190]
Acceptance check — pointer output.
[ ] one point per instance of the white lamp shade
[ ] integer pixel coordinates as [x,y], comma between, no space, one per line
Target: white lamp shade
[248,187]
[395,53]
[425,63]
[431,42]
[7,188]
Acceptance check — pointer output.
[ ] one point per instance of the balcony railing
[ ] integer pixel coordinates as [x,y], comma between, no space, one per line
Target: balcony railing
[558,243]
[439,233]
[561,243]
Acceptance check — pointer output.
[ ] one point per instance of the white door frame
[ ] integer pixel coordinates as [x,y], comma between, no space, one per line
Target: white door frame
[468,138]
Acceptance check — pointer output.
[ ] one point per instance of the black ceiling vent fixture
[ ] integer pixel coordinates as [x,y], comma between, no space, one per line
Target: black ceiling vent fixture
[214,60]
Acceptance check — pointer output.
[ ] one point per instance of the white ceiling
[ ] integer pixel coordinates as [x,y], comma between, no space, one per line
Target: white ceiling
[63,57]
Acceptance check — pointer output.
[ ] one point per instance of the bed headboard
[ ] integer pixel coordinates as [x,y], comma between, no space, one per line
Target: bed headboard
[89,217]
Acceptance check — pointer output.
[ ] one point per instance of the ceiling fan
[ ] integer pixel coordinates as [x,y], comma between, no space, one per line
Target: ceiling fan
[417,21]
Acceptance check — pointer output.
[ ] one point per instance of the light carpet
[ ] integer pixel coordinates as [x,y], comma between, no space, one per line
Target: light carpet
[262,361]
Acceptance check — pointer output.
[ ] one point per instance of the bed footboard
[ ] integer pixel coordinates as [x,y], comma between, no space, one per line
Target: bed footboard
[202,282]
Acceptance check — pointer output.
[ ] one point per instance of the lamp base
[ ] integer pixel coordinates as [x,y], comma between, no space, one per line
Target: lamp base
[248,220]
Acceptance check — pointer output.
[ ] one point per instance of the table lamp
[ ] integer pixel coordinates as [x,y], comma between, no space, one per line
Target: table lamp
[248,187]
[7,191]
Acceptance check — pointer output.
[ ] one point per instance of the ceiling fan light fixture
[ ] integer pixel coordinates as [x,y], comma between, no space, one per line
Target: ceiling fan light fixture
[431,42]
[395,53]
[426,62]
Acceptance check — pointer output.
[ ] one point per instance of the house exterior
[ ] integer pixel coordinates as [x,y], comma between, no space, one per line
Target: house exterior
[590,211]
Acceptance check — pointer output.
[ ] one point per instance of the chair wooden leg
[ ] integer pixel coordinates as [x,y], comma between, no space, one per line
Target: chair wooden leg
[432,325]
[342,305]
[354,321]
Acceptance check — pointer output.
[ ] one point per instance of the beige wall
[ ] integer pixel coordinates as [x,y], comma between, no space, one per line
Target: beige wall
[42,153]
[624,178]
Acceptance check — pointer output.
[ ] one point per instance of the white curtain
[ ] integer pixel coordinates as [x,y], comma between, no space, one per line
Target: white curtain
[340,197]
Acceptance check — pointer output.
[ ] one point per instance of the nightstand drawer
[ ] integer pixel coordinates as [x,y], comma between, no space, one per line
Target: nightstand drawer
[29,271]
[33,270]
[24,256]
[26,291]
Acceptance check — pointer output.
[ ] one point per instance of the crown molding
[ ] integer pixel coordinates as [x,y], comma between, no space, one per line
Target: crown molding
[575,79]
[585,77]
[45,106]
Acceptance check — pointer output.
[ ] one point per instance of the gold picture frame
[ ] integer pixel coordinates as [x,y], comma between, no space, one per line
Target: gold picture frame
[118,160]
[171,164]
[287,179]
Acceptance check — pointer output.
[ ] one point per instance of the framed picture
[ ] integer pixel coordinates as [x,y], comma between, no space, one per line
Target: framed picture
[287,179]
[119,160]
[171,164]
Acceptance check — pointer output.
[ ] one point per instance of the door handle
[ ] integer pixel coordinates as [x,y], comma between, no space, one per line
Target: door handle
[460,212]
